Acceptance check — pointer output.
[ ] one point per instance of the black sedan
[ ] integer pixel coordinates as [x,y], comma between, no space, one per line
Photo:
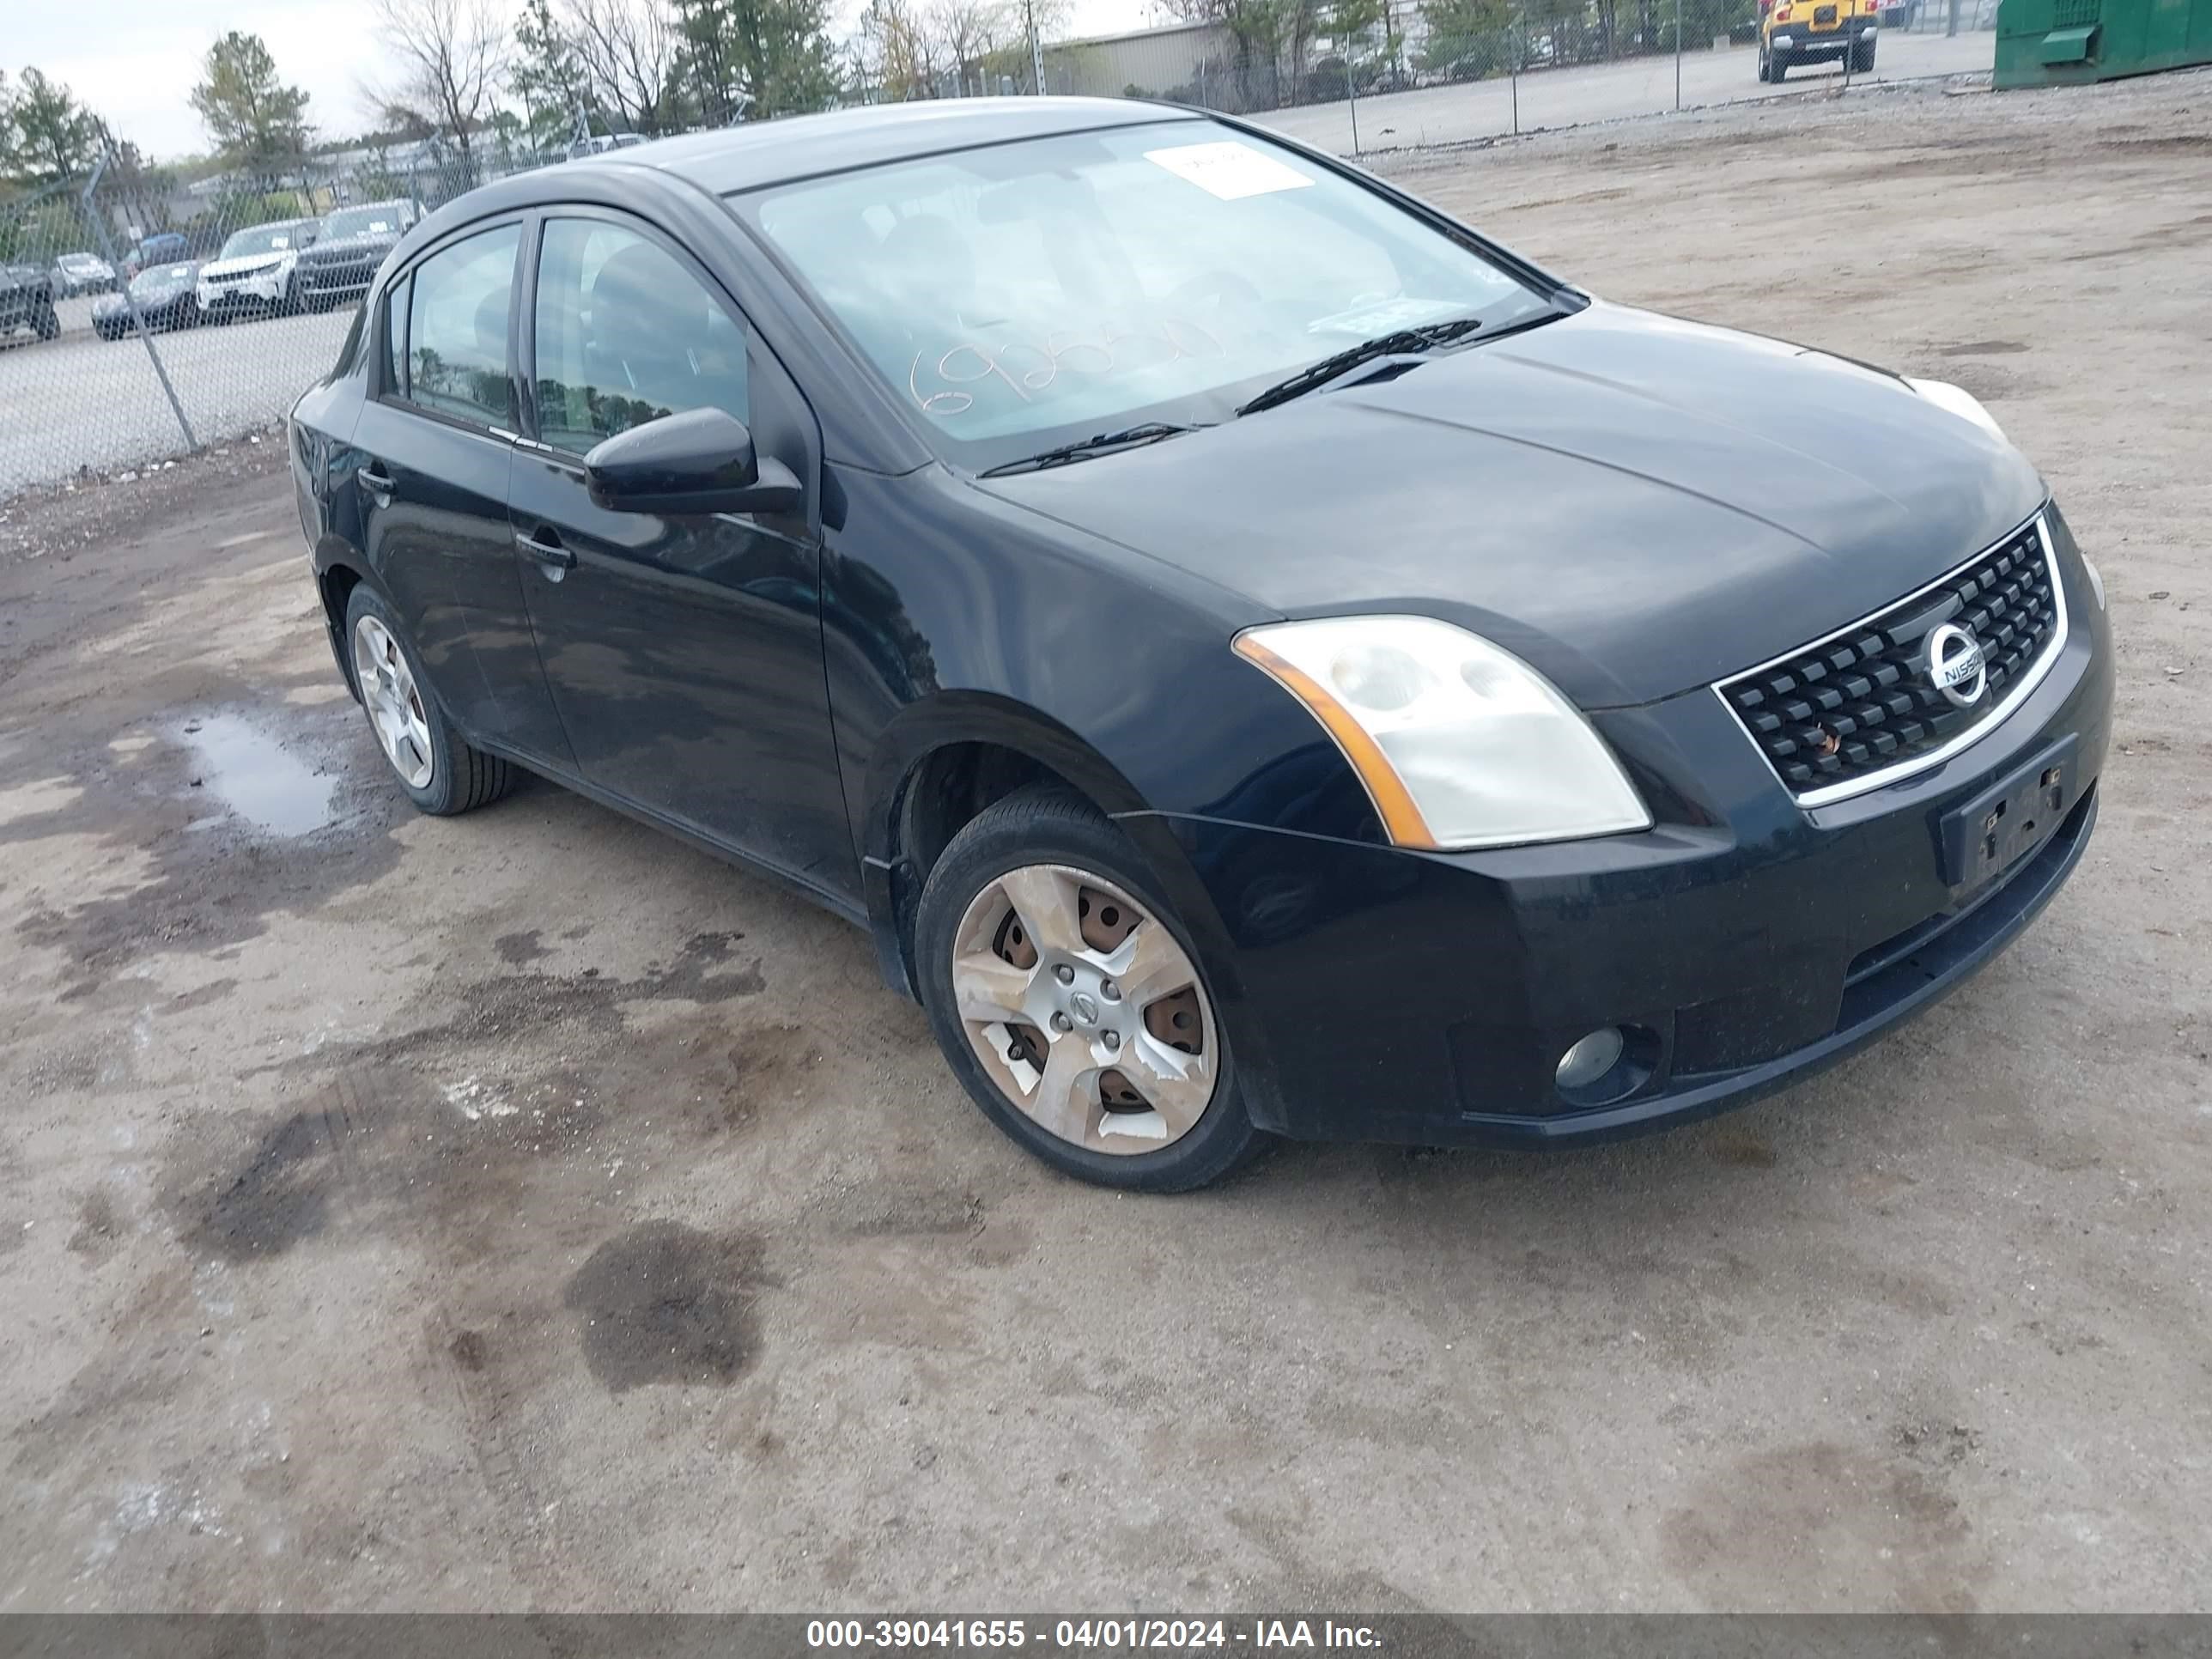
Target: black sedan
[1260,659]
[164,296]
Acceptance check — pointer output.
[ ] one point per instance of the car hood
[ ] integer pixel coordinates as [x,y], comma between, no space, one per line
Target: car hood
[1633,504]
[246,264]
[17,276]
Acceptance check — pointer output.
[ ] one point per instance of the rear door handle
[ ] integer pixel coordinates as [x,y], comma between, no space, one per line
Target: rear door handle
[543,545]
[376,481]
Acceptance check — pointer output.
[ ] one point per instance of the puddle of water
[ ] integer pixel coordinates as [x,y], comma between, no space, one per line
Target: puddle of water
[250,772]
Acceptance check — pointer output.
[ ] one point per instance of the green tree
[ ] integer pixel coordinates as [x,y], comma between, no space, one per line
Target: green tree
[1467,39]
[46,135]
[545,75]
[257,122]
[756,58]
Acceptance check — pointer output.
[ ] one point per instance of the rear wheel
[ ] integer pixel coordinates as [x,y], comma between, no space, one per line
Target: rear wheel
[48,322]
[1065,997]
[1862,57]
[440,771]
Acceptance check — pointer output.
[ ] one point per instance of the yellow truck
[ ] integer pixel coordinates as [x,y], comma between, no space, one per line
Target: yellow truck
[1794,32]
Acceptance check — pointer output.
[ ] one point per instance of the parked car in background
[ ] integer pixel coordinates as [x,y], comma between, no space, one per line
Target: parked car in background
[162,247]
[253,273]
[351,245]
[166,298]
[1797,31]
[1296,669]
[26,300]
[600,143]
[82,273]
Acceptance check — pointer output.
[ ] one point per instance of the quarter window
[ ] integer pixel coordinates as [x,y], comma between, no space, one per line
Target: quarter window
[456,329]
[395,334]
[625,334]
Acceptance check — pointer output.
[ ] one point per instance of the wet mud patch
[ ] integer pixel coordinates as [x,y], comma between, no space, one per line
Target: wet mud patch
[228,815]
[518,949]
[381,1152]
[665,1302]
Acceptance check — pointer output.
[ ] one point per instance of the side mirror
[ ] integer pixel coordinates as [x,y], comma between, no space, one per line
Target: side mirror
[700,461]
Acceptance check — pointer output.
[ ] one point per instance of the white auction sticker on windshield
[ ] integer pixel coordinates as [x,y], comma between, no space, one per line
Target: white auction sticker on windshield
[1229,170]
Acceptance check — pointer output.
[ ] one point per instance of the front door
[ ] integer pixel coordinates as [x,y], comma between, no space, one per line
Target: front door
[684,653]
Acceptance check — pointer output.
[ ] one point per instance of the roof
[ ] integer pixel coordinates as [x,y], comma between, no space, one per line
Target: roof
[802,146]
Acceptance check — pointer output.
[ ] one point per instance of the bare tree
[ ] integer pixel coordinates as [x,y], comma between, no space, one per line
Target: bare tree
[452,54]
[626,51]
[969,31]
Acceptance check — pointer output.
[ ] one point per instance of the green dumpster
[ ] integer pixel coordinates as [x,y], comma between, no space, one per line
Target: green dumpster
[2043,43]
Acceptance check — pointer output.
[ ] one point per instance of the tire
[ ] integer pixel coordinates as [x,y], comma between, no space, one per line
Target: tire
[1777,68]
[1863,58]
[456,776]
[1766,64]
[1042,829]
[47,322]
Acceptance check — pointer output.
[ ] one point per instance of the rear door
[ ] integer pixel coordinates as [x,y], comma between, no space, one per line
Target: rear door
[683,652]
[436,445]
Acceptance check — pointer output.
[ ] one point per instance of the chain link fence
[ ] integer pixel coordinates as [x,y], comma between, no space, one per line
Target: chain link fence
[1461,71]
[141,318]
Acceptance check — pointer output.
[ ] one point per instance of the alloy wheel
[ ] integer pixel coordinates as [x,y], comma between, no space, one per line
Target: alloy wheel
[1083,1010]
[394,704]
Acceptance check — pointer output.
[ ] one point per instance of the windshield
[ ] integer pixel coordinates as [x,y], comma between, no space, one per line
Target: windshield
[382,220]
[262,239]
[1024,294]
[159,278]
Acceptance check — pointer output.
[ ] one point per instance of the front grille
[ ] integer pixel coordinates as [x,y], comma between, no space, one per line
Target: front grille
[1847,709]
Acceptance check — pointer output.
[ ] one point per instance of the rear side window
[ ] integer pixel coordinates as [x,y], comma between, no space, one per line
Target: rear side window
[457,328]
[625,334]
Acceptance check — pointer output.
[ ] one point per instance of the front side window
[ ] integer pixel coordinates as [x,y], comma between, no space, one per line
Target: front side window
[1022,294]
[625,335]
[457,328]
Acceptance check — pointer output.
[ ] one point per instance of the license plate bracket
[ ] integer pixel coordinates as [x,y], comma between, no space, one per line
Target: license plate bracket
[1982,838]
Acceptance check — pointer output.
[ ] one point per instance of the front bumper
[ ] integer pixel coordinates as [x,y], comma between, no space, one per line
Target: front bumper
[336,282]
[1802,41]
[1745,942]
[255,293]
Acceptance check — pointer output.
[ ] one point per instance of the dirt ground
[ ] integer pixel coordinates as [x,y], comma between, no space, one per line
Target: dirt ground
[523,1210]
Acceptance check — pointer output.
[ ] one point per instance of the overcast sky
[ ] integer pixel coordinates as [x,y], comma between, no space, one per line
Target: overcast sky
[135,61]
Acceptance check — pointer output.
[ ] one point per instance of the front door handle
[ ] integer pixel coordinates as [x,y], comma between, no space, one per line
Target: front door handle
[543,545]
[376,481]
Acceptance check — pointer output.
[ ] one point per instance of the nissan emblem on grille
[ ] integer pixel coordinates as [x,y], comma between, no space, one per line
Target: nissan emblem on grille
[1955,665]
[1904,686]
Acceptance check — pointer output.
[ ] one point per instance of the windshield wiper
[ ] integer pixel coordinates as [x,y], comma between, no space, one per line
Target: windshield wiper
[1427,338]
[1096,444]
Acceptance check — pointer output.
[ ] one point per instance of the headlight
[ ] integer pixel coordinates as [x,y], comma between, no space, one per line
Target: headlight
[1459,744]
[1957,400]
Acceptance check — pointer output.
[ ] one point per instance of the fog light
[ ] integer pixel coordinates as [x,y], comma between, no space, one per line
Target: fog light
[1591,1058]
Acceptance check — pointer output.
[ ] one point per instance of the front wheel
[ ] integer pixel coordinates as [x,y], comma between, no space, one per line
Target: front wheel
[1065,997]
[440,771]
